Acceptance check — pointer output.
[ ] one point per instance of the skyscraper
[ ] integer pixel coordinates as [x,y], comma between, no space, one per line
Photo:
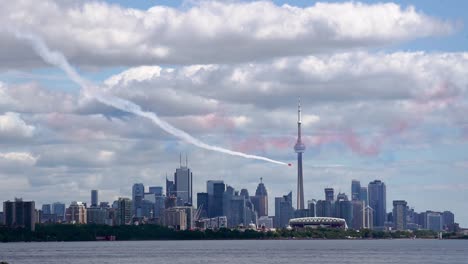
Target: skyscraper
[76,213]
[329,194]
[260,200]
[355,190]
[202,204]
[124,211]
[59,209]
[183,184]
[46,209]
[138,194]
[299,148]
[400,212]
[94,198]
[215,191]
[363,195]
[378,202]
[19,214]
[283,210]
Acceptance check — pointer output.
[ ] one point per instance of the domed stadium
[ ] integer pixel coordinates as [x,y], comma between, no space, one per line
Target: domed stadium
[316,222]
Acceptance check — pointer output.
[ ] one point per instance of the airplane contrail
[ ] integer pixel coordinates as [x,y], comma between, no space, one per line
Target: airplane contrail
[90,90]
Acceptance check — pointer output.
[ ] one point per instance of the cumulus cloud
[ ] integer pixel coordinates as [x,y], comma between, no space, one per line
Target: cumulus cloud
[98,33]
[12,127]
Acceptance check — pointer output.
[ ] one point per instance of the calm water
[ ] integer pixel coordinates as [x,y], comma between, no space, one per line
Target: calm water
[225,252]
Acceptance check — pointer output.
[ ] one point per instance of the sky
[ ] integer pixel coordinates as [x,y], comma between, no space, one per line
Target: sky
[383,86]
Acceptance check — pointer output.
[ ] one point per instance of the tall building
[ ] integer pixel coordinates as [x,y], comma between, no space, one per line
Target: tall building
[378,201]
[344,209]
[59,210]
[96,215]
[215,191]
[170,188]
[156,190]
[238,208]
[260,200]
[94,198]
[46,209]
[329,194]
[400,214]
[299,148]
[355,190]
[283,210]
[124,211]
[312,207]
[202,204]
[76,213]
[324,209]
[363,195]
[19,213]
[138,194]
[448,220]
[434,221]
[183,184]
[358,214]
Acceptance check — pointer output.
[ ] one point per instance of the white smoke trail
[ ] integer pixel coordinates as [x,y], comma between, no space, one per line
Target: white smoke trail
[89,90]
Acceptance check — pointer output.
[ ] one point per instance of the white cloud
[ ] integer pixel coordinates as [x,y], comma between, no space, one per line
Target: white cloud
[98,33]
[12,126]
[24,158]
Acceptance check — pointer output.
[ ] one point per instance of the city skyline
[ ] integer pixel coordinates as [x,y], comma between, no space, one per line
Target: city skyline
[380,99]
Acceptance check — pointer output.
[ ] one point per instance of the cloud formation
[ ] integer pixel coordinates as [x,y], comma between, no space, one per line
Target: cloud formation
[98,33]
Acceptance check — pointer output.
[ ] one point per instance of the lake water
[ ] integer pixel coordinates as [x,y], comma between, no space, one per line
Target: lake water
[240,251]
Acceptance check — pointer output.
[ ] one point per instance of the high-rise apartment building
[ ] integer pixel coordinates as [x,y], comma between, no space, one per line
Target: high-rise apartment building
[284,210]
[400,214]
[19,213]
[138,194]
[378,202]
[355,190]
[76,213]
[94,198]
[124,211]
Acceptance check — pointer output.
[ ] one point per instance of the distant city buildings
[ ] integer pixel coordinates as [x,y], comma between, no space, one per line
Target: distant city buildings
[400,214]
[260,200]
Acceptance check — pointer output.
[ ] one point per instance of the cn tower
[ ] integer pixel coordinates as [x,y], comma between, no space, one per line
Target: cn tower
[299,148]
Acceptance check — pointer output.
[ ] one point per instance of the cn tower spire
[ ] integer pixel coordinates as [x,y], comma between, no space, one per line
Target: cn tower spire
[299,148]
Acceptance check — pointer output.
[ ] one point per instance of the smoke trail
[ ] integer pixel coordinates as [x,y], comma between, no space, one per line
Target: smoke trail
[89,90]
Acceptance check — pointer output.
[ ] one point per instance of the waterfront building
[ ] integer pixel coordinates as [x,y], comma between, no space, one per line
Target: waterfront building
[316,222]
[76,213]
[355,190]
[123,214]
[175,218]
[434,221]
[260,200]
[59,210]
[448,220]
[299,148]
[96,215]
[19,213]
[138,194]
[400,214]
[284,210]
[94,198]
[329,194]
[378,202]
[265,222]
[183,184]
[358,214]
